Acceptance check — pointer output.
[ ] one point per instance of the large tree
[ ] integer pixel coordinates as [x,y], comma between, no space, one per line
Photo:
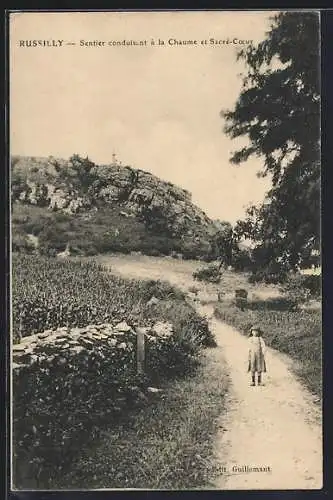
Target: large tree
[278,110]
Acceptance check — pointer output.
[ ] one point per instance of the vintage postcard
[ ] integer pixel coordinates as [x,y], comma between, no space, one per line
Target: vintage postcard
[165,250]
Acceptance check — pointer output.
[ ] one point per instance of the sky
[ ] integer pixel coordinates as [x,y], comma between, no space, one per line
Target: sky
[156,106]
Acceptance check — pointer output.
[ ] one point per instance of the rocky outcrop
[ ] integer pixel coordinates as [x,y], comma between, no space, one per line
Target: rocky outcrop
[130,189]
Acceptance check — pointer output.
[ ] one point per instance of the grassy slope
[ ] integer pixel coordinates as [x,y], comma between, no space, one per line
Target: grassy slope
[96,234]
[166,445]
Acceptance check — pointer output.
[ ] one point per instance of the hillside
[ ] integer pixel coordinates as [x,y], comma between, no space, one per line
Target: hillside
[91,208]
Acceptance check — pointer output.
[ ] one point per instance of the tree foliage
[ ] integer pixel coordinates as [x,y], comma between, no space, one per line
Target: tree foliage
[278,111]
[222,242]
[158,218]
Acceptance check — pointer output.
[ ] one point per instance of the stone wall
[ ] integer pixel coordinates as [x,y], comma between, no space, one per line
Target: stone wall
[67,383]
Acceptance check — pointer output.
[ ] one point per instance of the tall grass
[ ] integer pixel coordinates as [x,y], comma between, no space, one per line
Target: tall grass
[168,444]
[296,333]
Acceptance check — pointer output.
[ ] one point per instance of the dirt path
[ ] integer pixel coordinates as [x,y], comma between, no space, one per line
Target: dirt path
[276,426]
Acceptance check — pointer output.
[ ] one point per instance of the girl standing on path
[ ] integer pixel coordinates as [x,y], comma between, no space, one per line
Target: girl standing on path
[257,362]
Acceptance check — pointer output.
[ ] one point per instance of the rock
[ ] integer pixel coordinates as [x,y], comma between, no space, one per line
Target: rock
[153,301]
[76,335]
[16,366]
[59,340]
[91,335]
[28,350]
[102,336]
[153,390]
[75,331]
[123,327]
[45,334]
[93,329]
[142,397]
[87,341]
[19,347]
[77,349]
[28,339]
[163,329]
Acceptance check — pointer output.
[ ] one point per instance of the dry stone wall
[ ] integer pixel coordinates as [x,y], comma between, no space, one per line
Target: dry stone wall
[70,381]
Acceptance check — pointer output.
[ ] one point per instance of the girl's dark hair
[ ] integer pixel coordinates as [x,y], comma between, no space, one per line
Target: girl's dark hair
[257,330]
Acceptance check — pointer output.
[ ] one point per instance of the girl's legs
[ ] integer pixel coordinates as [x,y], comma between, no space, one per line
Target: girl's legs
[259,378]
[253,379]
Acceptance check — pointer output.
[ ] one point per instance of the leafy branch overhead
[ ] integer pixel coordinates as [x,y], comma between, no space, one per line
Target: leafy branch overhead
[278,111]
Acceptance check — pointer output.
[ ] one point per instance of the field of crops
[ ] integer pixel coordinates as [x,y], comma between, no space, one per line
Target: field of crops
[58,395]
[48,293]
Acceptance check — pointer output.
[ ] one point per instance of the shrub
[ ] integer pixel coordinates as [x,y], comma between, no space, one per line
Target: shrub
[299,288]
[20,243]
[153,252]
[241,298]
[160,290]
[241,260]
[313,283]
[209,273]
[269,276]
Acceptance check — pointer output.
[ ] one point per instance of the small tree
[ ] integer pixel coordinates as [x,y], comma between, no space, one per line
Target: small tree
[222,243]
[84,170]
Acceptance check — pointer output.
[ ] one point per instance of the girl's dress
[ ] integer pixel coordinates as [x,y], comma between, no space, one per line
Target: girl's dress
[256,355]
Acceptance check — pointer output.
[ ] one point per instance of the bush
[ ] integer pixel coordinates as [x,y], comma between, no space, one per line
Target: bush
[160,290]
[313,283]
[299,288]
[241,261]
[192,251]
[269,276]
[209,273]
[20,243]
